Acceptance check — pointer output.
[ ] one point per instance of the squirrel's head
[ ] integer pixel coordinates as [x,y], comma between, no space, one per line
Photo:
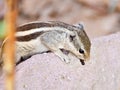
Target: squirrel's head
[80,42]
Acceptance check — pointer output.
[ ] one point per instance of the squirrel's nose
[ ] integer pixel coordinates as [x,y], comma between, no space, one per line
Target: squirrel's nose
[82,61]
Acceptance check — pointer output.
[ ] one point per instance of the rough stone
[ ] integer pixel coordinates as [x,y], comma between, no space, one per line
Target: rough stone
[48,72]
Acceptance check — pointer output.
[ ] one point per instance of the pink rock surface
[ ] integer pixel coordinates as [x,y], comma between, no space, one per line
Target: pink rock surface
[48,72]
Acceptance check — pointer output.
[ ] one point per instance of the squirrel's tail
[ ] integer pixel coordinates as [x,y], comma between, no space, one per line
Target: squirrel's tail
[1,70]
[1,63]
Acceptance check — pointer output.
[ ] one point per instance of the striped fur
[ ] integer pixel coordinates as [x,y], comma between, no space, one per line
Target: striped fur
[31,38]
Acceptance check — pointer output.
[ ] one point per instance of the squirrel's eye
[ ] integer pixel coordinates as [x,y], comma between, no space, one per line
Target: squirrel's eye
[72,37]
[81,51]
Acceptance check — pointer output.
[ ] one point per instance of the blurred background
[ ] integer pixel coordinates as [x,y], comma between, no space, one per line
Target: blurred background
[100,17]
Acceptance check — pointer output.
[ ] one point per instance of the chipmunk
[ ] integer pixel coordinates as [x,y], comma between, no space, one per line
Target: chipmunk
[55,36]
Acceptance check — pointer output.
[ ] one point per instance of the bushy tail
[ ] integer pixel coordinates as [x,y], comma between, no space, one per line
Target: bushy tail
[1,63]
[1,70]
[1,56]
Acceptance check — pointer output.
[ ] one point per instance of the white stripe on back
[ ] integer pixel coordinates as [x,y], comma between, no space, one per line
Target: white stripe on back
[28,32]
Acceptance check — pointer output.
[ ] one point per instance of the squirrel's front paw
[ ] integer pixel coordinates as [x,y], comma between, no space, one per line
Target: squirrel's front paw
[66,60]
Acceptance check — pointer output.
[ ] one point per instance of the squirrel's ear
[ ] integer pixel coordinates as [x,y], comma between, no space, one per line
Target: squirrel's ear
[80,25]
